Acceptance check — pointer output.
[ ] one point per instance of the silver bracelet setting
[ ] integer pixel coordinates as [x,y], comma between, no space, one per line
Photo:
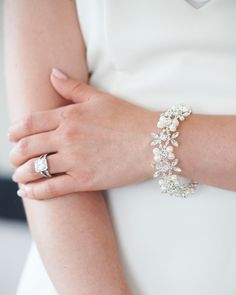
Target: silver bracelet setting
[164,161]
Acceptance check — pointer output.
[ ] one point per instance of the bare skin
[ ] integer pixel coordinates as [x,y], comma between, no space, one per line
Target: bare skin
[196,133]
[105,133]
[73,233]
[88,139]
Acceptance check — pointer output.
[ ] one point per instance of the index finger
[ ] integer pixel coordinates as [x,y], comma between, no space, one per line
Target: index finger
[33,123]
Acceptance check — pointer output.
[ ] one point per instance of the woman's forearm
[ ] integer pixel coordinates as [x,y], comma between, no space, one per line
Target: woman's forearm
[73,233]
[207,149]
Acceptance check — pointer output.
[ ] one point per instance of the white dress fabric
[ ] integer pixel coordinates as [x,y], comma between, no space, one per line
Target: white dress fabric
[156,53]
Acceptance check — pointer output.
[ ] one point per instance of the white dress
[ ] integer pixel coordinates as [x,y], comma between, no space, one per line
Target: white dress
[156,53]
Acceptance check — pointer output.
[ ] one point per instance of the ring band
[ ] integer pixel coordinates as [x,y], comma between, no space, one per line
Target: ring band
[41,166]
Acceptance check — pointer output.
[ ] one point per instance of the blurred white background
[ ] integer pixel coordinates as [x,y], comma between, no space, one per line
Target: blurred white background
[14,236]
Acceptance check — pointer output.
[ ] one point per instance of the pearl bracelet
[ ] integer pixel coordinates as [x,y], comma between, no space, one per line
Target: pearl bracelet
[165,162]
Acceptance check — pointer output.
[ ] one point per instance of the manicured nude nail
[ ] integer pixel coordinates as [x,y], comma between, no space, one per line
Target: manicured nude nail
[14,177]
[21,193]
[58,74]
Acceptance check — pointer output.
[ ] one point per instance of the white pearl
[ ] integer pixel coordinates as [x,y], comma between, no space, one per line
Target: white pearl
[170,148]
[157,158]
[156,151]
[171,156]
[172,128]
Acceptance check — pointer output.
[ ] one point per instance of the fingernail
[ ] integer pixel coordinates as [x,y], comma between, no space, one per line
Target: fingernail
[14,178]
[58,74]
[9,136]
[21,193]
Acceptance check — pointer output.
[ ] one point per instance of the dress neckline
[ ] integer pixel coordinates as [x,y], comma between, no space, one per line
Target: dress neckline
[197,3]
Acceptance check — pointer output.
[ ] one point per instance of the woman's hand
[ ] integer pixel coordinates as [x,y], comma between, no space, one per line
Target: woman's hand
[97,143]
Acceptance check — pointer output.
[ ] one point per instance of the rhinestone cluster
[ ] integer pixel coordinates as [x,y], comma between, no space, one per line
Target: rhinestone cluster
[165,163]
[40,165]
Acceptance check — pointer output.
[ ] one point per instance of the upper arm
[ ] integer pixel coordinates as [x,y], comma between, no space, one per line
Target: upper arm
[39,35]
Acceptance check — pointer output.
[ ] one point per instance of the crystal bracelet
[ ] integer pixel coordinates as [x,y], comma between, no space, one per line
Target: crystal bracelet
[165,162]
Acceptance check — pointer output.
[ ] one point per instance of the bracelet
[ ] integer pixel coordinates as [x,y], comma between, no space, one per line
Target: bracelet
[165,162]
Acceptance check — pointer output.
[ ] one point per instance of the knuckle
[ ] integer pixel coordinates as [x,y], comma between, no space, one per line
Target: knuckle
[18,152]
[23,146]
[69,133]
[35,194]
[50,189]
[64,114]
[32,193]
[27,123]
[78,89]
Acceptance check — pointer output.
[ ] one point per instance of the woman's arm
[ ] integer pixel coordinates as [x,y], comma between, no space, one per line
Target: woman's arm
[207,149]
[73,233]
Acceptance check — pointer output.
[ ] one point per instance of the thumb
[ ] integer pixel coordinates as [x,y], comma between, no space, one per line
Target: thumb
[74,90]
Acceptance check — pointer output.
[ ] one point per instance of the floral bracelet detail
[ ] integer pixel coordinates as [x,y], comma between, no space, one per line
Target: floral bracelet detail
[165,162]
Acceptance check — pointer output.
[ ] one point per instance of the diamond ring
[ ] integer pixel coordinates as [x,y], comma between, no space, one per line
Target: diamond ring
[41,166]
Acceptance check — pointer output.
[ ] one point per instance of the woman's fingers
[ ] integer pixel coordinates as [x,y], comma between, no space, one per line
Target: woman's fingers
[26,172]
[33,123]
[33,146]
[74,90]
[49,188]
